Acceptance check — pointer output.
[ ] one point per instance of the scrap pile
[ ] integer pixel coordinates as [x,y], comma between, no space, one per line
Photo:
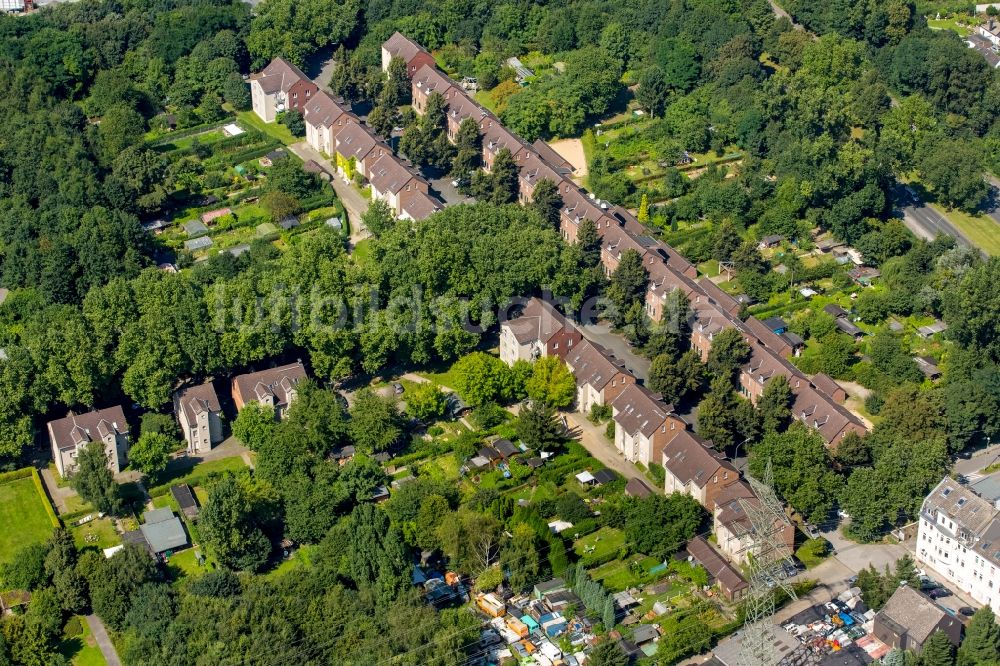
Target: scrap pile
[836,626]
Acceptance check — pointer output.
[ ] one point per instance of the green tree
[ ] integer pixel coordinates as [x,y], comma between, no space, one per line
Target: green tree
[254,425]
[503,177]
[775,404]
[397,78]
[628,284]
[607,653]
[552,383]
[481,378]
[728,353]
[426,402]
[537,425]
[378,218]
[151,453]
[981,644]
[660,525]
[938,650]
[589,242]
[520,557]
[802,468]
[375,422]
[231,527]
[676,380]
[296,29]
[547,202]
[653,91]
[954,169]
[94,480]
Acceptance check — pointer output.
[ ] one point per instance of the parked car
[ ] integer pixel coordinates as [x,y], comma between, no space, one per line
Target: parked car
[967,611]
[939,593]
[397,388]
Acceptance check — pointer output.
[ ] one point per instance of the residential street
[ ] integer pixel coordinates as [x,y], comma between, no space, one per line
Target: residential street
[354,203]
[103,640]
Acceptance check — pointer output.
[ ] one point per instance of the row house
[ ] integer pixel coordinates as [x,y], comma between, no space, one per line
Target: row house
[722,300]
[417,205]
[496,138]
[274,388]
[577,206]
[460,108]
[600,377]
[662,283]
[732,528]
[693,467]
[540,330]
[414,55]
[352,146]
[644,425]
[281,86]
[533,170]
[390,179]
[334,131]
[324,118]
[810,405]
[199,415]
[69,436]
[427,81]
[615,241]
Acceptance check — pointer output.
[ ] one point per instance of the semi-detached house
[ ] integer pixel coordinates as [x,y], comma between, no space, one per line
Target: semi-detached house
[644,425]
[390,178]
[414,55]
[693,467]
[540,330]
[600,377]
[281,86]
[324,117]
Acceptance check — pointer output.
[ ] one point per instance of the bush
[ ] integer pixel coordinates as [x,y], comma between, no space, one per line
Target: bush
[658,473]
[873,403]
[609,432]
[489,415]
[73,627]
[599,413]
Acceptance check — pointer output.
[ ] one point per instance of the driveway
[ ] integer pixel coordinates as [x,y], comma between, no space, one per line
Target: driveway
[354,203]
[58,494]
[592,438]
[103,640]
[972,469]
[602,335]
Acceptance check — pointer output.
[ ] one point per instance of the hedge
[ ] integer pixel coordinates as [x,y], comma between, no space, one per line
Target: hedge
[45,498]
[23,473]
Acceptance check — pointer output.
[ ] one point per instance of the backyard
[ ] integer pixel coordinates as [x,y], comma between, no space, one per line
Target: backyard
[24,518]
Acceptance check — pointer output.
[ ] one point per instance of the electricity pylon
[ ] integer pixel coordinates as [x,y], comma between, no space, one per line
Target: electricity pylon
[768,555]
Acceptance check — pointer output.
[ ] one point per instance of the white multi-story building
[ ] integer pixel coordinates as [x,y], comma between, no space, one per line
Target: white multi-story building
[959,538]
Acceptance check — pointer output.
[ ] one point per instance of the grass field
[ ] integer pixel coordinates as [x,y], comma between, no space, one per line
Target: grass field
[23,519]
[981,229]
[363,252]
[603,541]
[275,129]
[620,575]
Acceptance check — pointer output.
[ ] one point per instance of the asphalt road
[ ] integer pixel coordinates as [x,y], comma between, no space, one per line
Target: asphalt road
[923,220]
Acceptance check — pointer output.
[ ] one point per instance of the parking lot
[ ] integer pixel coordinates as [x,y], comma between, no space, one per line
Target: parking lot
[447,192]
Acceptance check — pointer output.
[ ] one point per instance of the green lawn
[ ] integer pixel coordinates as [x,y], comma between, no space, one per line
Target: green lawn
[185,563]
[275,129]
[81,650]
[299,558]
[206,138]
[441,376]
[981,229]
[363,252]
[949,24]
[195,475]
[23,519]
[99,533]
[600,543]
[620,575]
